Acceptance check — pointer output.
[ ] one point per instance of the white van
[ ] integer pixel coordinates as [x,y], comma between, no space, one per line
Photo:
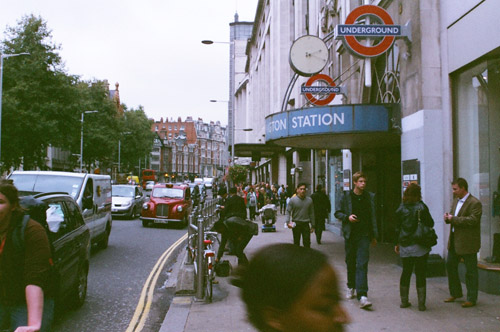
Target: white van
[92,192]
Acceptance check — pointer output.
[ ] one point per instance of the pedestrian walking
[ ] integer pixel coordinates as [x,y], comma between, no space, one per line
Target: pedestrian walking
[251,203]
[359,227]
[322,208]
[282,199]
[300,213]
[287,288]
[413,255]
[261,198]
[464,242]
[26,302]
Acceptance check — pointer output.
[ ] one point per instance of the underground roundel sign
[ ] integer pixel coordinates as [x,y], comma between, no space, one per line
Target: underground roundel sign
[380,27]
[320,85]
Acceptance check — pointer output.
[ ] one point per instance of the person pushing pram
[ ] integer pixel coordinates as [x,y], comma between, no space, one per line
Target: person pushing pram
[268,216]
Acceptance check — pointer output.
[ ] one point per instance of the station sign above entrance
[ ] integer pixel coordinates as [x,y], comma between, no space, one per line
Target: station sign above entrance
[356,26]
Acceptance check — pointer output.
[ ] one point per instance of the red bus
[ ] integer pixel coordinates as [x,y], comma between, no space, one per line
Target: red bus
[148,175]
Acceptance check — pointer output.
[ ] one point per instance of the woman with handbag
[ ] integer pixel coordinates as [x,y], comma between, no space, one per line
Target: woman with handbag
[412,220]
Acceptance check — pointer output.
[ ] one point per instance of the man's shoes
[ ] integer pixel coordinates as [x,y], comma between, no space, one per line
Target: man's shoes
[364,303]
[350,293]
[468,304]
[451,299]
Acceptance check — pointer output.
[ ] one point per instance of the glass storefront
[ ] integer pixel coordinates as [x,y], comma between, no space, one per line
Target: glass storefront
[476,101]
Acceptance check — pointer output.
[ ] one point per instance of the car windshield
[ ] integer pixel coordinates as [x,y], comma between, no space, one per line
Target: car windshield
[123,191]
[168,192]
[28,184]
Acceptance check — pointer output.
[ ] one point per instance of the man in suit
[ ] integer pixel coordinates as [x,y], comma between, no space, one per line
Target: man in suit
[464,242]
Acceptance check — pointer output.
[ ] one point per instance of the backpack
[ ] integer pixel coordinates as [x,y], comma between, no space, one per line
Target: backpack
[35,210]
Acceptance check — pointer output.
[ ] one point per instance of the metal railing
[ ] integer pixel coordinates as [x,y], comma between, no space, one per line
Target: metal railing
[201,218]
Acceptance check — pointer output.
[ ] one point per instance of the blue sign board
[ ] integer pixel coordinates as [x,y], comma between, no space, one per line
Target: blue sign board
[334,119]
[320,89]
[368,30]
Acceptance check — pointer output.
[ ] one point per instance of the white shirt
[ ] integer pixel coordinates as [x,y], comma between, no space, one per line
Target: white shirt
[460,203]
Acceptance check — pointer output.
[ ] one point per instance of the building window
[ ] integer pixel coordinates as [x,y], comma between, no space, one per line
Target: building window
[476,135]
[169,127]
[175,127]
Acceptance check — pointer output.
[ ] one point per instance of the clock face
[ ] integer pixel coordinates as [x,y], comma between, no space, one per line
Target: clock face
[308,55]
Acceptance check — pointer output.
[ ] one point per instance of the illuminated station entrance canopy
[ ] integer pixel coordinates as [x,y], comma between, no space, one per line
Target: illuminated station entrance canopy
[335,127]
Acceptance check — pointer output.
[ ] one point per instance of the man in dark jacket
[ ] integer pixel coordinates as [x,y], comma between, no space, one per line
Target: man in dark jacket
[359,227]
[234,228]
[464,242]
[322,208]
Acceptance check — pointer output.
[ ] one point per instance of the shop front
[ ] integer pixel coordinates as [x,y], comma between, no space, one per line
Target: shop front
[334,142]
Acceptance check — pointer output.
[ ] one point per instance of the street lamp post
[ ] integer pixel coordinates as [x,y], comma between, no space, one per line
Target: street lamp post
[4,56]
[81,140]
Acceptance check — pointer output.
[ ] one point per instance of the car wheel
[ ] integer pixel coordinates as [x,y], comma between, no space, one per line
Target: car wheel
[145,223]
[80,289]
[104,242]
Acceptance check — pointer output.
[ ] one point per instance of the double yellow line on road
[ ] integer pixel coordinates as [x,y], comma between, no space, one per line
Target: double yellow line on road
[144,305]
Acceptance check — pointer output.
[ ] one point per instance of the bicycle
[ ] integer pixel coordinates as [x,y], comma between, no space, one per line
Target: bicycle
[208,268]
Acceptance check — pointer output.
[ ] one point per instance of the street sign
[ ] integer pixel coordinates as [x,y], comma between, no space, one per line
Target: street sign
[388,30]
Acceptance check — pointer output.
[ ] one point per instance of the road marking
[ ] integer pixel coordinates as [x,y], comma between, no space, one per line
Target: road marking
[142,310]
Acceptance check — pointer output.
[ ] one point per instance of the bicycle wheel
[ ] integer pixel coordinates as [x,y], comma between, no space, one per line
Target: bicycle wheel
[209,278]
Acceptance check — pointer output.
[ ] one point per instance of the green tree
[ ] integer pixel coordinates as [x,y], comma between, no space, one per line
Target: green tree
[238,173]
[136,138]
[39,99]
[100,129]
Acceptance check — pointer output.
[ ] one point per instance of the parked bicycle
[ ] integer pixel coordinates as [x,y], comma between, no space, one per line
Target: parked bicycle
[208,268]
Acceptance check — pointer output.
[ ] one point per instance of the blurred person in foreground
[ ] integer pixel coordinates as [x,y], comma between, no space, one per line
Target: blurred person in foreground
[413,255]
[25,301]
[287,288]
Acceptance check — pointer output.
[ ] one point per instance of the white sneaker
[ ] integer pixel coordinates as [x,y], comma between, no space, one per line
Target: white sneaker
[364,303]
[350,293]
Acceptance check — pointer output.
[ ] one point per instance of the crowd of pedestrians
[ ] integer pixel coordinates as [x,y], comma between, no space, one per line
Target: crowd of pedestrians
[357,213]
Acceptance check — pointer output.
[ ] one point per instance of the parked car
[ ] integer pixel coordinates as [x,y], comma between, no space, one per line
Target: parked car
[168,204]
[92,192]
[70,237]
[126,200]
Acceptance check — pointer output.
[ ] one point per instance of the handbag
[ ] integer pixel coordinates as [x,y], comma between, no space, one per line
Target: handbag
[223,268]
[424,235]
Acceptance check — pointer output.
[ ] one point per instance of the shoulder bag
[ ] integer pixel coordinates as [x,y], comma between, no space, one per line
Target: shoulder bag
[424,235]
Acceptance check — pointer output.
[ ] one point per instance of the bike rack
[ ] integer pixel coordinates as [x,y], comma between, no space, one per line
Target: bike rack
[204,216]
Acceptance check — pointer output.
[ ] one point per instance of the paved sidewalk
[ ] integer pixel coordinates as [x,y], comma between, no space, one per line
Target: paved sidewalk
[227,312]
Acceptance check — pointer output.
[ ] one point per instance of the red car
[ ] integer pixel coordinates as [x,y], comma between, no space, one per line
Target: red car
[169,204]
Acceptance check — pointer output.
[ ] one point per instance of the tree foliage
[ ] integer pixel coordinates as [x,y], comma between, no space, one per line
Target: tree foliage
[42,105]
[238,173]
[39,98]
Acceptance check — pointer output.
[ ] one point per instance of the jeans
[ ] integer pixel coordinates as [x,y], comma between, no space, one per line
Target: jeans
[357,254]
[471,274]
[17,315]
[420,265]
[302,229]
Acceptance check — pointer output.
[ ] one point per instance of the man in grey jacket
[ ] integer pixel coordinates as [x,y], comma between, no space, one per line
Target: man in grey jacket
[359,227]
[299,214]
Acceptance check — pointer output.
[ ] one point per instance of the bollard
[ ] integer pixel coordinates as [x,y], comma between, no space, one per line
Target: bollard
[199,260]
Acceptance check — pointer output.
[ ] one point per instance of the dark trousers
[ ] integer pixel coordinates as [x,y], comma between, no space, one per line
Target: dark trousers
[251,209]
[420,266]
[471,274]
[282,206]
[319,227]
[239,246]
[302,229]
[357,254]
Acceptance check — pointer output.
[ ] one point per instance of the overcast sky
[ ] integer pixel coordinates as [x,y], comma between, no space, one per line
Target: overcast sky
[151,47]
